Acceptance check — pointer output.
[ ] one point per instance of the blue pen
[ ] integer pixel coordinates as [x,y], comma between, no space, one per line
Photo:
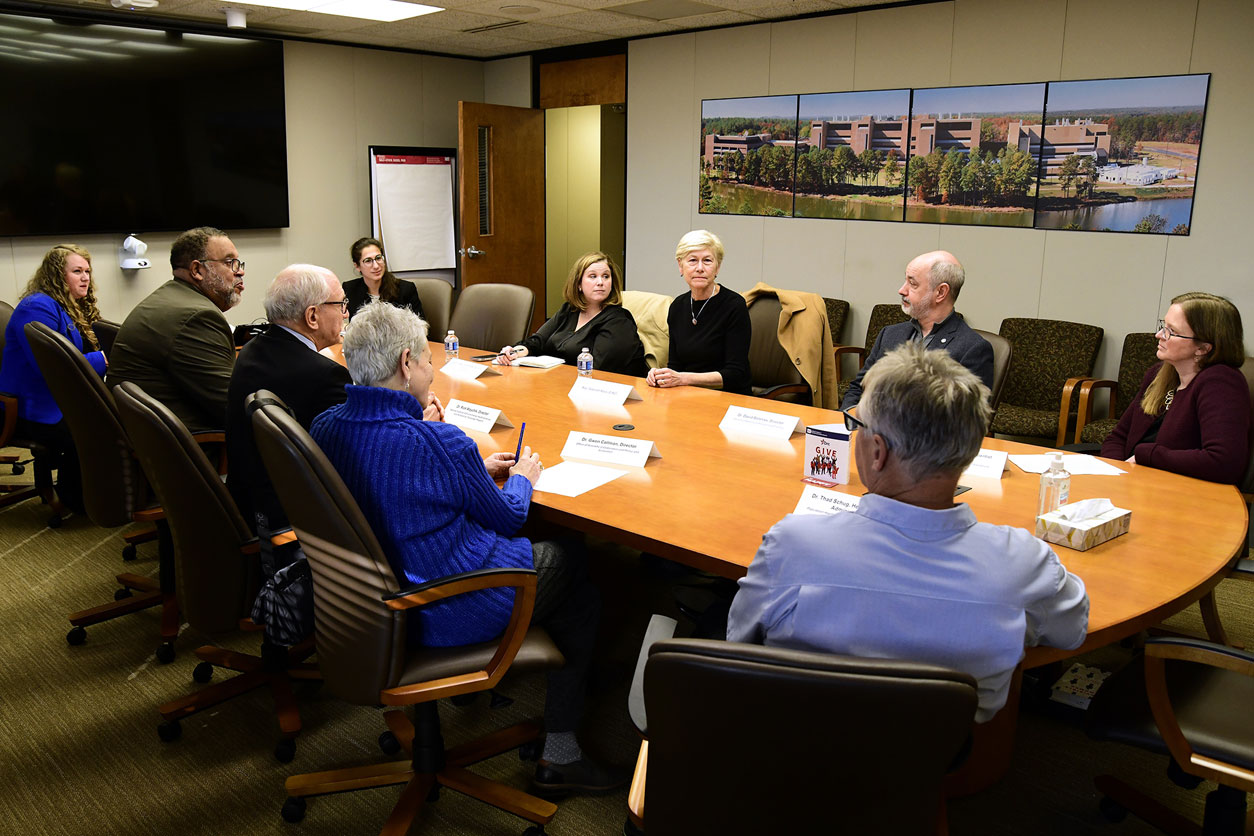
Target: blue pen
[518,452]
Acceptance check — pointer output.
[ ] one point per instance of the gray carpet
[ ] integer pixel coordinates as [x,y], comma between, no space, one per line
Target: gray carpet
[79,753]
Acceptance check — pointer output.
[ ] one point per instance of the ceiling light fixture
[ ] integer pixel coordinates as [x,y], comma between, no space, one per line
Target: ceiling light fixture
[381,10]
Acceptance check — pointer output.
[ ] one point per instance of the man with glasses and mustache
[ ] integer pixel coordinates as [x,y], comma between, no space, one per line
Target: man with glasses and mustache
[176,344]
[911,574]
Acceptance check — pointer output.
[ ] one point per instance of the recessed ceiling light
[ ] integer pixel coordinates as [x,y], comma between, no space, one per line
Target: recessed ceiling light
[381,10]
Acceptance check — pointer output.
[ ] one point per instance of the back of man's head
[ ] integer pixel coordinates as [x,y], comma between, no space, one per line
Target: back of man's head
[192,245]
[931,410]
[294,290]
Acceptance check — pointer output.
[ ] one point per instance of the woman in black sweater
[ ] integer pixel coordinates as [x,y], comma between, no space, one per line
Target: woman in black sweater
[593,317]
[377,281]
[709,325]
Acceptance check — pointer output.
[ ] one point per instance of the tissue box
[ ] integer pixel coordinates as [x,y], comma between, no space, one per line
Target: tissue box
[1082,535]
[827,455]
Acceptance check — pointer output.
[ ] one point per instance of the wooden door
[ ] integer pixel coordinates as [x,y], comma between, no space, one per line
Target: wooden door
[501,186]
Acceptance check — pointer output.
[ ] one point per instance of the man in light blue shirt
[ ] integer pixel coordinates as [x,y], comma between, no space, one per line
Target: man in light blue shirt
[911,574]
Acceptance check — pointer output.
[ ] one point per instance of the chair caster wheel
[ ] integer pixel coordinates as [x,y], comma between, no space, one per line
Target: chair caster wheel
[55,521]
[534,830]
[293,809]
[1181,778]
[165,653]
[630,829]
[530,751]
[463,700]
[121,594]
[499,700]
[389,744]
[285,750]
[170,731]
[76,636]
[1112,810]
[203,672]
[128,552]
[18,469]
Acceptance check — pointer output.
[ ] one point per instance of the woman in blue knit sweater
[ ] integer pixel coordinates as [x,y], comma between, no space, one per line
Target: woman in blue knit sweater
[433,503]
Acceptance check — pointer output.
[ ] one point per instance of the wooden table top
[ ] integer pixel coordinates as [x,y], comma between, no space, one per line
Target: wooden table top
[711,496]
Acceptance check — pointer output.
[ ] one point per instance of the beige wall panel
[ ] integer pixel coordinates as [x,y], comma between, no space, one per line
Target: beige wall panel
[876,255]
[1107,279]
[557,199]
[387,97]
[904,47]
[663,115]
[508,82]
[1003,271]
[805,254]
[445,82]
[795,46]
[732,63]
[1149,37]
[742,238]
[985,53]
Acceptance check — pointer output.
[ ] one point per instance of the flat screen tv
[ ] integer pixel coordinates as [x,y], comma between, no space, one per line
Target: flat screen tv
[113,129]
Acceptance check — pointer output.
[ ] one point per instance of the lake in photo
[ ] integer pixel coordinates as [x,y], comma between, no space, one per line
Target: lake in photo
[1119,217]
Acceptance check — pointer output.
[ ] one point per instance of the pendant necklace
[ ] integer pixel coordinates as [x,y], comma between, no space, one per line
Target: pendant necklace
[695,313]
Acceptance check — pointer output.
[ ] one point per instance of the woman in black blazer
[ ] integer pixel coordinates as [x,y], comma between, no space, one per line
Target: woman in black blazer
[377,281]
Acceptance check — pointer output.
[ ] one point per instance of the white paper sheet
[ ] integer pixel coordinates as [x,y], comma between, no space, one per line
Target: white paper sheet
[574,478]
[1073,463]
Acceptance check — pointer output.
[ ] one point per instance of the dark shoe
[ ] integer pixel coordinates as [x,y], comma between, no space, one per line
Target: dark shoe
[582,775]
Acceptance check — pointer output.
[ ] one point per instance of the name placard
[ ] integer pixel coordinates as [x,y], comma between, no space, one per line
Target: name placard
[472,416]
[990,464]
[466,370]
[823,501]
[612,449]
[602,391]
[756,421]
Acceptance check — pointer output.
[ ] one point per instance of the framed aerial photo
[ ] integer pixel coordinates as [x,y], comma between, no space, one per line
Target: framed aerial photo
[967,161]
[1121,154]
[851,155]
[748,156]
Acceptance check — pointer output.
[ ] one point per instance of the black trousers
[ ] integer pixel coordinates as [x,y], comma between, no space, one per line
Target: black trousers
[568,607]
[62,457]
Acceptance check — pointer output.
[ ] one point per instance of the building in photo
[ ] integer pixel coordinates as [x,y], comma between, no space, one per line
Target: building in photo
[1061,140]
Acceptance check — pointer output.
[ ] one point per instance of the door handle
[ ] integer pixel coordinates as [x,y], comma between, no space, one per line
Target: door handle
[470,252]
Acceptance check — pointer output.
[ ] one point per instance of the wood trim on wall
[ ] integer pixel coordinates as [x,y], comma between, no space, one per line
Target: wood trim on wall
[584,81]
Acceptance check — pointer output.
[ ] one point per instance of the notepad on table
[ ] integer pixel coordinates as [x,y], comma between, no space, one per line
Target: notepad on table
[542,361]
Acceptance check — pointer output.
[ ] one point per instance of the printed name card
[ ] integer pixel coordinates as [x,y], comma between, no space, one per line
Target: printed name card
[823,501]
[988,463]
[602,391]
[472,416]
[466,370]
[770,424]
[613,449]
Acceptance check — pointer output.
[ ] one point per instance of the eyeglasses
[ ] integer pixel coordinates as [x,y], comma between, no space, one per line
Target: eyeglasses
[232,264]
[1162,327]
[342,305]
[853,424]
[374,259]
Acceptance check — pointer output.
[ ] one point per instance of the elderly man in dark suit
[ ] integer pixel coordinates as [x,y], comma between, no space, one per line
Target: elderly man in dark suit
[933,282]
[176,344]
[306,309]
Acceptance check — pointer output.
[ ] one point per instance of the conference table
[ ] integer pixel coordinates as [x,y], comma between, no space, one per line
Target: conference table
[712,494]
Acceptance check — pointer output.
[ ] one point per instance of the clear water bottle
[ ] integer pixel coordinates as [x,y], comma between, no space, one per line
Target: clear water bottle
[1055,486]
[450,346]
[584,362]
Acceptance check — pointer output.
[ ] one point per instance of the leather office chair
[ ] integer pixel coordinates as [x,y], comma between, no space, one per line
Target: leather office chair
[1189,699]
[436,296]
[489,316]
[11,494]
[106,332]
[745,739]
[115,491]
[1002,352]
[217,571]
[1047,354]
[772,373]
[360,612]
[1139,353]
[881,317]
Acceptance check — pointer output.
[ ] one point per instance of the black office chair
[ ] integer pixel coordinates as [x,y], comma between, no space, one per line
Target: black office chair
[10,437]
[773,374]
[1189,699]
[745,739]
[491,315]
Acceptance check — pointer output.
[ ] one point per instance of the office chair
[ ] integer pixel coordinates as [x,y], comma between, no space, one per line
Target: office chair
[217,572]
[362,648]
[772,373]
[1050,358]
[1003,351]
[115,491]
[492,315]
[746,739]
[436,296]
[881,317]
[1140,351]
[1189,699]
[10,437]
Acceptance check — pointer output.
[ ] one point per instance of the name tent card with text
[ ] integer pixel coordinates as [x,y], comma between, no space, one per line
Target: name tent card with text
[758,422]
[466,370]
[602,391]
[612,449]
[472,416]
[988,463]
[823,501]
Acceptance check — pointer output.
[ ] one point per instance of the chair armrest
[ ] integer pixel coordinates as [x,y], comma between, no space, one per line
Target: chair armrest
[205,437]
[635,795]
[1084,413]
[149,514]
[277,538]
[1064,407]
[660,627]
[776,392]
[1157,651]
[840,350]
[523,580]
[9,402]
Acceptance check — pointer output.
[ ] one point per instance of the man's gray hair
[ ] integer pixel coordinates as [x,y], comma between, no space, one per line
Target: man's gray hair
[296,288]
[933,411]
[947,272]
[375,338]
